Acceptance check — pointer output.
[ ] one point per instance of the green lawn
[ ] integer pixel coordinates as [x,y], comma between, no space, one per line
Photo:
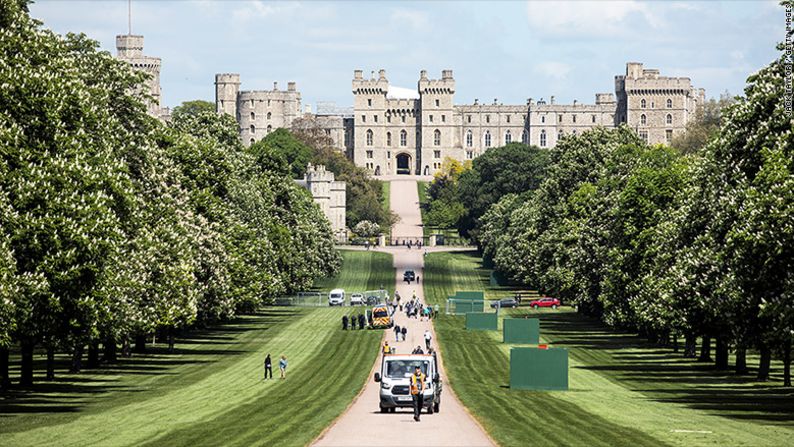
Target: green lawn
[362,270]
[623,390]
[210,391]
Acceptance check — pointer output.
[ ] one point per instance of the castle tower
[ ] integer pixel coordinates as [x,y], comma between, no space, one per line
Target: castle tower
[437,130]
[227,86]
[330,195]
[369,120]
[129,48]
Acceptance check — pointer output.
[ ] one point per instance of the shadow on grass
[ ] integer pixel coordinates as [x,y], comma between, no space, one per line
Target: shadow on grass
[664,375]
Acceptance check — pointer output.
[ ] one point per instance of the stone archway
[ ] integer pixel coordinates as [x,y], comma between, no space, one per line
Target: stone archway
[404,163]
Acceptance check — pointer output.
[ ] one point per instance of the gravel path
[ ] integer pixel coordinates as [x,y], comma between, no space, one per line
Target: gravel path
[363,424]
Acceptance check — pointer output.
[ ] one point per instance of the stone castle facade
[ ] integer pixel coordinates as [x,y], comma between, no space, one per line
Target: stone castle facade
[129,48]
[330,195]
[393,130]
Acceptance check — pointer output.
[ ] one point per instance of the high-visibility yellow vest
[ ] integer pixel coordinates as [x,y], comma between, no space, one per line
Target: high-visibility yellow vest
[386,349]
[416,382]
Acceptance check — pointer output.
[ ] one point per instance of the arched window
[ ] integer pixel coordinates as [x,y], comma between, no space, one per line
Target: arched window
[469,139]
[403,138]
[269,128]
[253,128]
[253,115]
[525,137]
[669,103]
[253,140]
[643,119]
[542,138]
[487,138]
[268,115]
[388,138]
[643,103]
[437,137]
[669,119]
[369,137]
[508,137]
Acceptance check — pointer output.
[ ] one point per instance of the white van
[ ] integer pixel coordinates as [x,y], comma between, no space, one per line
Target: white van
[336,297]
[395,381]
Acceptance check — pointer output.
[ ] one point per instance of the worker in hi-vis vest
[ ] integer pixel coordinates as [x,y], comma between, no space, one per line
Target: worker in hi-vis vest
[386,348]
[417,388]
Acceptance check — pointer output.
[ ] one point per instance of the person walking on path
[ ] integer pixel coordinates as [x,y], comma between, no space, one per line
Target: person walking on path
[268,367]
[405,332]
[428,338]
[396,332]
[282,366]
[417,388]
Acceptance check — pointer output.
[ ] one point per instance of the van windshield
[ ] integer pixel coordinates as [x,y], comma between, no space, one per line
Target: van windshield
[380,313]
[336,295]
[400,369]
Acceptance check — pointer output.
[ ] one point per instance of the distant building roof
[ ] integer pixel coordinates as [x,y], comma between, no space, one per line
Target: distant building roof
[401,93]
[330,108]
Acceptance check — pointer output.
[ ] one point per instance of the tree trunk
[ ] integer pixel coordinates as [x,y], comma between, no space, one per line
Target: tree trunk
[705,350]
[721,361]
[125,347]
[741,360]
[5,380]
[110,349]
[77,358]
[171,339]
[787,363]
[140,344]
[93,354]
[674,335]
[50,362]
[763,363]
[26,373]
[690,346]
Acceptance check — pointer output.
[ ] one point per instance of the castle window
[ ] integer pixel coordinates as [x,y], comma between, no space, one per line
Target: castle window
[388,118]
[542,138]
[436,154]
[593,118]
[644,135]
[487,138]
[253,128]
[653,105]
[388,138]
[642,103]
[469,139]
[369,102]
[669,119]
[468,118]
[376,118]
[437,137]
[573,118]
[403,138]
[252,103]
[668,135]
[369,154]
[369,137]
[403,118]
[430,118]
[469,155]
[443,118]
[508,137]
[253,140]
[559,118]
[269,128]
[543,119]
[560,134]
[268,103]
[643,119]
[269,115]
[253,115]
[487,118]
[507,117]
[669,103]
[363,118]
[438,103]
[573,132]
[525,137]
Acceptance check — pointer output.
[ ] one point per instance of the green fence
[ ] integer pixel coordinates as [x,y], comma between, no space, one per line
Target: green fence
[539,369]
[478,295]
[481,321]
[524,331]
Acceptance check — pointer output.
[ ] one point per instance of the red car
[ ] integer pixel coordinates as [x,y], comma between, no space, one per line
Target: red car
[545,302]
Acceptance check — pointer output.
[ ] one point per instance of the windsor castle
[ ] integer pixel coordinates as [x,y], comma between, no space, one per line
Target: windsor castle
[392,130]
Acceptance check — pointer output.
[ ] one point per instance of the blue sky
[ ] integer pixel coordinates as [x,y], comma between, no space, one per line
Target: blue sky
[510,50]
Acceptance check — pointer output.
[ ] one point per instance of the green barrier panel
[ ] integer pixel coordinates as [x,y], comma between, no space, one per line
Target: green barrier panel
[539,369]
[521,331]
[479,295]
[464,306]
[481,321]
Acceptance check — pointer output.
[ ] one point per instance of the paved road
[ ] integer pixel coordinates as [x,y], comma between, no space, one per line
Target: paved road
[363,424]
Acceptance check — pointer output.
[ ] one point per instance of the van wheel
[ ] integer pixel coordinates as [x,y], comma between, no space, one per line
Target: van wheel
[430,409]
[392,409]
[436,406]
[383,409]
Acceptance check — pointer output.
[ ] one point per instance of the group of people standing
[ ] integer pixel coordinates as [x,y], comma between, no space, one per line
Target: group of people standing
[282,366]
[353,320]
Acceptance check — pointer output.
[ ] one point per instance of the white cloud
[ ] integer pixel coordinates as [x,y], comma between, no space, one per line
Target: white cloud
[415,19]
[552,69]
[591,18]
[258,9]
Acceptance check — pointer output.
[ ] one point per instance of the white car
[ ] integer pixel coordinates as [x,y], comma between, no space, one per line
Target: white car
[356,299]
[336,297]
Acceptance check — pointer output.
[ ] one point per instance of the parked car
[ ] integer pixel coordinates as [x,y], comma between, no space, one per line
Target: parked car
[505,302]
[336,297]
[409,275]
[356,299]
[545,302]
